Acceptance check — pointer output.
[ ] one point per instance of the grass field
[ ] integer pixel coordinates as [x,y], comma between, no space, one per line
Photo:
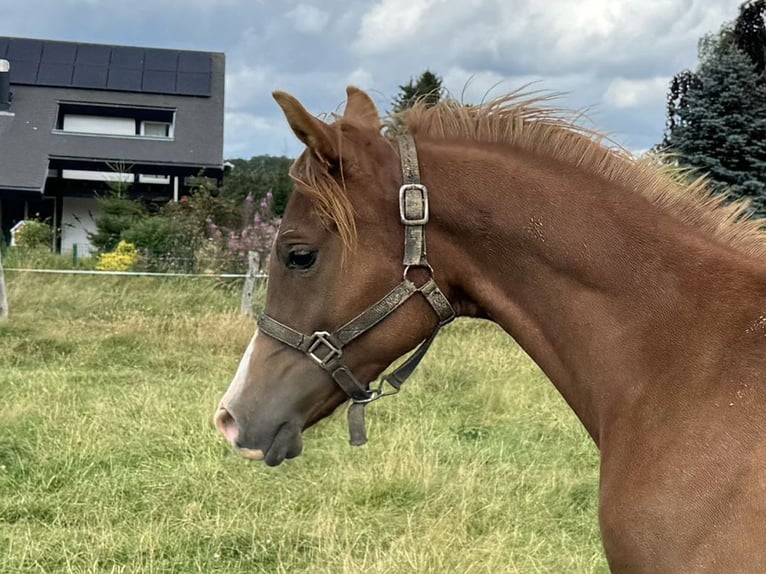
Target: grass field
[109,461]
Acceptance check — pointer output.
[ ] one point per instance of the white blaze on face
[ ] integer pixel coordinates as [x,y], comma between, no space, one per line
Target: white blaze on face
[240,377]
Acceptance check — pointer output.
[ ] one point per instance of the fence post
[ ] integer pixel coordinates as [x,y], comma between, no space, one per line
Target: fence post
[3,293]
[250,283]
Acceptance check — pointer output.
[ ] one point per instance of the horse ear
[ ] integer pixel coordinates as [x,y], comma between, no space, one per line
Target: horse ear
[361,108]
[318,136]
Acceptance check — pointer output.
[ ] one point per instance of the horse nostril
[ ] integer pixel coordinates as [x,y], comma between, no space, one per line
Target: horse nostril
[226,425]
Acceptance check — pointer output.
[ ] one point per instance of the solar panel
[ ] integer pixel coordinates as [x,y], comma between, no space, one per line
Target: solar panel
[96,66]
[127,57]
[27,50]
[89,76]
[157,81]
[125,80]
[195,62]
[55,74]
[24,72]
[93,55]
[161,60]
[190,84]
[59,53]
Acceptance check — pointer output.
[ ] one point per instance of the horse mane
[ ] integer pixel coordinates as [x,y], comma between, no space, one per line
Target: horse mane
[525,120]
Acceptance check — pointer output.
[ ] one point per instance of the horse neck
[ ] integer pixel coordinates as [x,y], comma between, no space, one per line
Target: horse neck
[598,285]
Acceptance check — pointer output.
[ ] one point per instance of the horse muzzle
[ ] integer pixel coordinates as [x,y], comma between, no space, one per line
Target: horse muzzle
[285,443]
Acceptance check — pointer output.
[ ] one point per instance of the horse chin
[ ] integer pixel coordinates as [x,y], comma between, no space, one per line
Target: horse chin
[287,443]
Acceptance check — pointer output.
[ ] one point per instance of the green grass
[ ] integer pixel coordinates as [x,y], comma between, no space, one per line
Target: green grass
[109,461]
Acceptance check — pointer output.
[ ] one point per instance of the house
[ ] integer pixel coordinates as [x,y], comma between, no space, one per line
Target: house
[75,118]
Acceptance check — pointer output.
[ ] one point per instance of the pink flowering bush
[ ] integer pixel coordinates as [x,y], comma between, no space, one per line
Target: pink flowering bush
[257,231]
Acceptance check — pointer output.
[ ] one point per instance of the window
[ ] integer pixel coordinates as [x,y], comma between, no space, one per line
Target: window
[154,179]
[99,125]
[156,129]
[115,120]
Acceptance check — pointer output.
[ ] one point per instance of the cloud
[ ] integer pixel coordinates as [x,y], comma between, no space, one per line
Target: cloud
[393,24]
[307,18]
[610,57]
[625,93]
[242,128]
[360,78]
[245,81]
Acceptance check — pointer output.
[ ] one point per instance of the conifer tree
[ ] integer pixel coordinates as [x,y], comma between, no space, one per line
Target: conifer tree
[717,113]
[427,88]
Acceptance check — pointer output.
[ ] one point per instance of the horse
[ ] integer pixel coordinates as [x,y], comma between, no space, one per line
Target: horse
[638,291]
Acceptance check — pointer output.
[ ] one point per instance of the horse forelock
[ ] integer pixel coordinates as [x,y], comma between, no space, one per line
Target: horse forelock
[329,196]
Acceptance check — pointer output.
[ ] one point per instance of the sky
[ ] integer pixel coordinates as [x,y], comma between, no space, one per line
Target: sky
[613,58]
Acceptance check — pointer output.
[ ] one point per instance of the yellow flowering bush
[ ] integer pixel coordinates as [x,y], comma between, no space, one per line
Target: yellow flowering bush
[123,258]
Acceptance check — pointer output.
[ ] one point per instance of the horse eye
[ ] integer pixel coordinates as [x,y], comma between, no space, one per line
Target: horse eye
[301,259]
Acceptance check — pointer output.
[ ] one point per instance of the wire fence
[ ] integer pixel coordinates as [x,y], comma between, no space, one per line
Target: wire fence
[253,278]
[136,273]
[181,261]
[205,262]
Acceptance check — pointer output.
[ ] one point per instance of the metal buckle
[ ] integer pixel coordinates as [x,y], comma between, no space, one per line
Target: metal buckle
[427,268]
[318,339]
[373,396]
[378,392]
[407,187]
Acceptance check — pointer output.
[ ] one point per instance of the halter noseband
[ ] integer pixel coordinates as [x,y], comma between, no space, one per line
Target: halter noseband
[326,349]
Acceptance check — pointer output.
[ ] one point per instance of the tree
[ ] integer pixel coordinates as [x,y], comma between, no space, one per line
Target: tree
[258,176]
[427,88]
[117,213]
[717,114]
[750,34]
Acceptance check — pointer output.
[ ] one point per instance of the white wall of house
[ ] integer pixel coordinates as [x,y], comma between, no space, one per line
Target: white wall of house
[76,221]
[87,175]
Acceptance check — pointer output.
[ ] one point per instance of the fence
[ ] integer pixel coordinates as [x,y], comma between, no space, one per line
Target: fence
[252,278]
[3,293]
[194,262]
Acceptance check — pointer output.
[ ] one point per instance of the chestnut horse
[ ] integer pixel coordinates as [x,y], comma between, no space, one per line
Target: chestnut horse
[640,295]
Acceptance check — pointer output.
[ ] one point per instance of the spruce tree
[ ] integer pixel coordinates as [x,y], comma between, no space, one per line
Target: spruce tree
[717,113]
[427,88]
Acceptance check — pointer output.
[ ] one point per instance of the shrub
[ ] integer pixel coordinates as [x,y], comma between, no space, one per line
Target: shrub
[256,233]
[117,213]
[153,234]
[34,235]
[123,258]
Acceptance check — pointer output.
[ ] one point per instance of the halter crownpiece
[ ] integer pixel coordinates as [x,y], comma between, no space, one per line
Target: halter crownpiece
[326,348]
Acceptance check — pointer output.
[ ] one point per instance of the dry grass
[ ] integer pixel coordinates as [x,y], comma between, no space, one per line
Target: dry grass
[109,462]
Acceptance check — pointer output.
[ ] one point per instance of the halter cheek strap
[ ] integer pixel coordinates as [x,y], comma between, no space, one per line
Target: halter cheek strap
[326,348]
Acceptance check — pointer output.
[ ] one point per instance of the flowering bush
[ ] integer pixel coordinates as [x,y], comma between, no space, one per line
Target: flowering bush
[123,258]
[258,229]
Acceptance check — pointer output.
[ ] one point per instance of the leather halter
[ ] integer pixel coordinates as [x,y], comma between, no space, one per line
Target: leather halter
[326,349]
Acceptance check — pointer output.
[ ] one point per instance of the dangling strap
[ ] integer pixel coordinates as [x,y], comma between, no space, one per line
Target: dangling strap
[445,312]
[356,423]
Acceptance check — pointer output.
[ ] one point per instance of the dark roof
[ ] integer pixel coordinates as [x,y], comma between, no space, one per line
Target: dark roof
[99,66]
